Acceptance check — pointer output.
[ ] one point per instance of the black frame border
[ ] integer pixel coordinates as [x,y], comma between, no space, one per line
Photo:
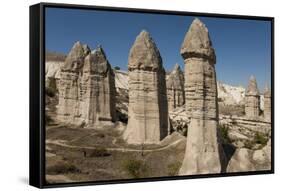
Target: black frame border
[37,94]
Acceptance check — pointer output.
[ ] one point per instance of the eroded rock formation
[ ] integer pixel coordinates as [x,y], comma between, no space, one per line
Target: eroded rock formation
[175,88]
[252,99]
[203,153]
[69,88]
[267,104]
[148,107]
[86,88]
[97,102]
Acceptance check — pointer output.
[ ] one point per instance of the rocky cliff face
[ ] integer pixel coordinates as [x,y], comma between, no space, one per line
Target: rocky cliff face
[175,88]
[148,107]
[69,88]
[203,153]
[97,104]
[86,87]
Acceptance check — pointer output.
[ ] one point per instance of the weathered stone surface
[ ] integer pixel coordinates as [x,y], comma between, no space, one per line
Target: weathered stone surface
[69,88]
[252,99]
[86,88]
[267,104]
[204,153]
[175,88]
[241,161]
[97,102]
[148,107]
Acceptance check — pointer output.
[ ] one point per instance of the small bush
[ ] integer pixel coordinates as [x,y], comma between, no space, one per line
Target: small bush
[135,168]
[117,68]
[99,152]
[62,168]
[174,168]
[224,134]
[260,139]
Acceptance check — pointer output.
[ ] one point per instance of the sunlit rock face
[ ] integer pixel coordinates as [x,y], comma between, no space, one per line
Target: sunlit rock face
[175,88]
[203,153]
[267,104]
[252,99]
[86,87]
[69,84]
[97,104]
[148,107]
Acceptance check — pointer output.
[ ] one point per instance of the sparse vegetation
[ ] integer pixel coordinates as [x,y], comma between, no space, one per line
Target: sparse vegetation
[135,168]
[174,168]
[224,134]
[259,139]
[117,68]
[54,56]
[99,152]
[62,167]
[238,110]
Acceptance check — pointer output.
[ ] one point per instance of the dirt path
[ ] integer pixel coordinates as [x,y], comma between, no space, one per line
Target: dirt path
[63,144]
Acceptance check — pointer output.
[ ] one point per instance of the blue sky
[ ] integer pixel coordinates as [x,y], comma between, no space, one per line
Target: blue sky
[243,47]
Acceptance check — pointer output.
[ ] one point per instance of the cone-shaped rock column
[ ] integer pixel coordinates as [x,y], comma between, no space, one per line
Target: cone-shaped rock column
[204,152]
[148,107]
[175,88]
[267,104]
[252,99]
[69,89]
[97,89]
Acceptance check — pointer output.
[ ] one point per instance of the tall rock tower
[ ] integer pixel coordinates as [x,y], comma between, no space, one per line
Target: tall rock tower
[252,99]
[148,107]
[97,103]
[69,88]
[175,88]
[203,153]
[267,104]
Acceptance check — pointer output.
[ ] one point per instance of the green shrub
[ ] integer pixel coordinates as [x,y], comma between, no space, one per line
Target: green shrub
[174,168]
[260,139]
[224,134]
[135,168]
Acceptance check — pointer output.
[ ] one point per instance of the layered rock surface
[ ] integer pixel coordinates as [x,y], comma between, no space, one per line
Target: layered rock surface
[69,85]
[267,104]
[203,153]
[175,88]
[148,107]
[252,99]
[86,87]
[97,102]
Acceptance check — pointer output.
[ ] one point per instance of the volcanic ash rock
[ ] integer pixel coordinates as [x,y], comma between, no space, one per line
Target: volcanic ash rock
[267,104]
[252,99]
[69,89]
[97,89]
[204,152]
[175,88]
[148,107]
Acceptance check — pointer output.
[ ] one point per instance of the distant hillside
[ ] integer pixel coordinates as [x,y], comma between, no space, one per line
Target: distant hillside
[55,56]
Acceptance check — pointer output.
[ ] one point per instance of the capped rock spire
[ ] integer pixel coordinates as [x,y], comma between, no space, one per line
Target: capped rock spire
[144,54]
[197,42]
